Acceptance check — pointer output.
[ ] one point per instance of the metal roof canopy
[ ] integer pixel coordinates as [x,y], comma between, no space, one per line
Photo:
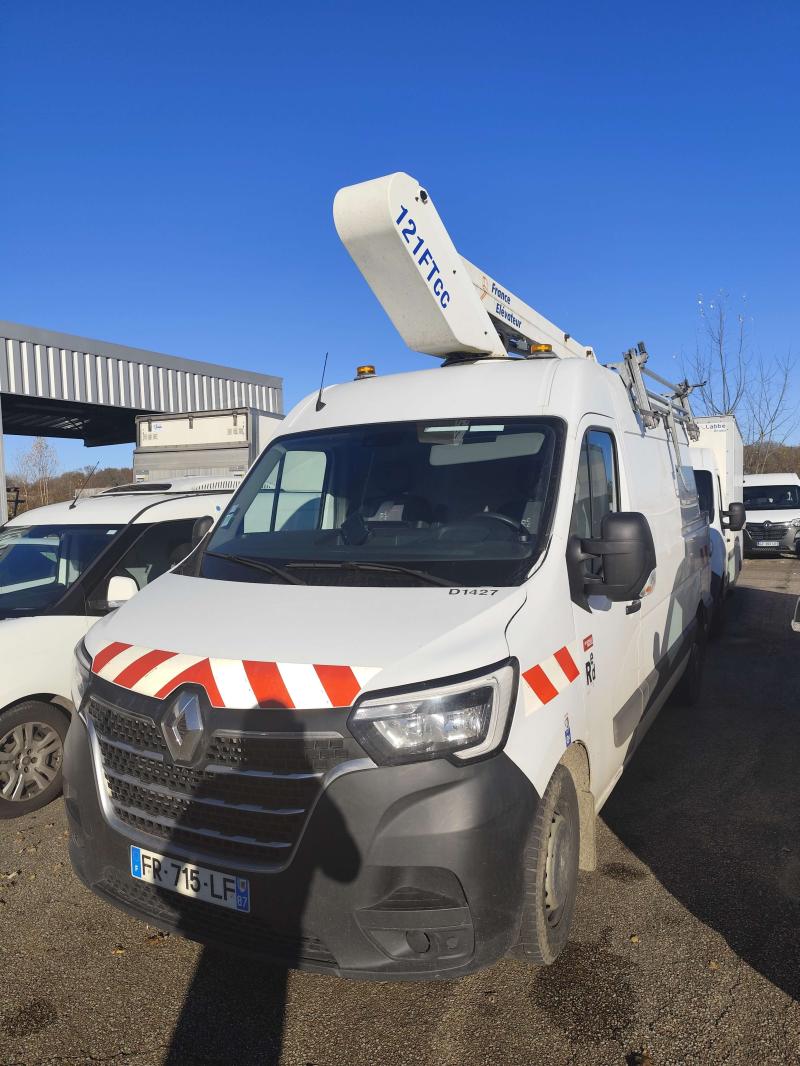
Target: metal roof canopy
[58,385]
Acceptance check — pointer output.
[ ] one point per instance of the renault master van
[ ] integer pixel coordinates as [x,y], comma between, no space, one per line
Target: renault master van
[366,727]
[773,514]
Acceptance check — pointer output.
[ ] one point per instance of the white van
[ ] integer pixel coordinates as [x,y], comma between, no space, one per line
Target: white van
[717,459]
[366,727]
[56,566]
[773,514]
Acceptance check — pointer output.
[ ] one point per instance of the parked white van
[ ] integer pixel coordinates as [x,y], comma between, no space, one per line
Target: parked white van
[61,568]
[366,727]
[773,514]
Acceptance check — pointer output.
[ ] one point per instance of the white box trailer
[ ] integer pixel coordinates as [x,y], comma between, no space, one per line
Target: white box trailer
[718,461]
[200,444]
[720,434]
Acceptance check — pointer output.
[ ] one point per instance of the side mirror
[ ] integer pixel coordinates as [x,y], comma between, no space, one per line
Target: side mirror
[628,556]
[120,589]
[734,518]
[200,528]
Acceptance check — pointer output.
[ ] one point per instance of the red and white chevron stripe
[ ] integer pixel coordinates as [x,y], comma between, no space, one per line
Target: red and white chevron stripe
[548,678]
[235,683]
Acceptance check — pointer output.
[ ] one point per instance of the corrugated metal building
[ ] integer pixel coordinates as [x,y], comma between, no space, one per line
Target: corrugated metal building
[59,385]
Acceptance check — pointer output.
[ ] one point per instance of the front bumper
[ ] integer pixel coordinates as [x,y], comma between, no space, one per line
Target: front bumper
[787,541]
[408,872]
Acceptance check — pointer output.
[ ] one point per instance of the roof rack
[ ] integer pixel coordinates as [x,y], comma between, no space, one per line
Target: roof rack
[672,408]
[191,483]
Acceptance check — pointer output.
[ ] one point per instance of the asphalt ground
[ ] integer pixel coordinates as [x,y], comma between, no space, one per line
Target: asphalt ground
[685,947]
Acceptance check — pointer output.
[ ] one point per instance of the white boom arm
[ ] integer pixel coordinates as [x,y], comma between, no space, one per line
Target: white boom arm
[440,303]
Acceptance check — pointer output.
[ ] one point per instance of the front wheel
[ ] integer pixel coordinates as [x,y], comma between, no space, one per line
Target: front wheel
[551,872]
[32,738]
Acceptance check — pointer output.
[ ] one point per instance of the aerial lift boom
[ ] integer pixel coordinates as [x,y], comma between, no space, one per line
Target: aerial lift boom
[440,303]
[443,305]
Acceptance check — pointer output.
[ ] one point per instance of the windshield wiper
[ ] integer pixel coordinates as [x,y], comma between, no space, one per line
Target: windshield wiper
[384,568]
[259,564]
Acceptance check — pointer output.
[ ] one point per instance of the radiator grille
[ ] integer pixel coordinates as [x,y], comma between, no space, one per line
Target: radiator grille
[250,797]
[774,531]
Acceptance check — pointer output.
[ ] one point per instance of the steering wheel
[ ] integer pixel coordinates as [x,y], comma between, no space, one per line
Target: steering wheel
[495,516]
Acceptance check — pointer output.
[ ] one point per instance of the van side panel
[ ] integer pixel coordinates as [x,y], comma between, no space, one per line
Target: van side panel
[680,534]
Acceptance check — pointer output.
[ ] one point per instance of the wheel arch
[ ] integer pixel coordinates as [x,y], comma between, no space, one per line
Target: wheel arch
[50,698]
[576,760]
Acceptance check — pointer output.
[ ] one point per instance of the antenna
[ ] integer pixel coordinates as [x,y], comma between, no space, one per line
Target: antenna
[320,401]
[83,486]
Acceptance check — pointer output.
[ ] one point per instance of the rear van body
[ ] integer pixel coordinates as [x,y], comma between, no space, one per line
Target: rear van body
[376,711]
[717,458]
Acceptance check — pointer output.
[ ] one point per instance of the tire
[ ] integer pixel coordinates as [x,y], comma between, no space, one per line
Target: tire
[551,873]
[687,691]
[32,738]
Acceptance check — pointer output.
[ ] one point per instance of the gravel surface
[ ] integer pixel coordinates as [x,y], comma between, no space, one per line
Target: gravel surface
[685,948]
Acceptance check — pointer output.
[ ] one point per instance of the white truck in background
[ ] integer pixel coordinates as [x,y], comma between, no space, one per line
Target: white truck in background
[718,460]
[218,444]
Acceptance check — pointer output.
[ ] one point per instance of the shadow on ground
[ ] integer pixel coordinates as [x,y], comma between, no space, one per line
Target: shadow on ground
[234,1007]
[711,802]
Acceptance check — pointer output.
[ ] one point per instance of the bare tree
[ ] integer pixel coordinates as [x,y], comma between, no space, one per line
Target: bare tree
[717,368]
[730,380]
[37,467]
[770,414]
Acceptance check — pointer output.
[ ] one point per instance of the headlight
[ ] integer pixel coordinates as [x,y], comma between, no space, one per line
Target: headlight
[465,719]
[795,523]
[81,672]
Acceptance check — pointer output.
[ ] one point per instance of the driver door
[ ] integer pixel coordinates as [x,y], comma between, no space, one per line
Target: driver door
[607,633]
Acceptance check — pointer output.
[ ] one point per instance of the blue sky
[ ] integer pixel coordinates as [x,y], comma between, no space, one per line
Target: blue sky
[169,170]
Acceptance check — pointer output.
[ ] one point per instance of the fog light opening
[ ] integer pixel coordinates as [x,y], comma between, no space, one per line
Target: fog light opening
[419,942]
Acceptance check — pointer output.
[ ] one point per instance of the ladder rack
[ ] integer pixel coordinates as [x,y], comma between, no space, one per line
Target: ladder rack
[672,408]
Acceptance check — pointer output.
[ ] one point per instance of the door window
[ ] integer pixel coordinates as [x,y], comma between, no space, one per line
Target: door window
[291,495]
[159,548]
[596,489]
[705,492]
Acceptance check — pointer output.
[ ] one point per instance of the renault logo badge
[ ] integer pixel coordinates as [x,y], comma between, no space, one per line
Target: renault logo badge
[183,728]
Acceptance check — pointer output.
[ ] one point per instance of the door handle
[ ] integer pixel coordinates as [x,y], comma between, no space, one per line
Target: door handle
[632,608]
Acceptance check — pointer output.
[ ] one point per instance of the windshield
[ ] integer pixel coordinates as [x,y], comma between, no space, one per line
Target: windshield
[39,563]
[442,502]
[772,497]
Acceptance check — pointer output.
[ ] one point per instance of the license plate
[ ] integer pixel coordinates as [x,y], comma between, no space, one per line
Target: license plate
[769,544]
[197,882]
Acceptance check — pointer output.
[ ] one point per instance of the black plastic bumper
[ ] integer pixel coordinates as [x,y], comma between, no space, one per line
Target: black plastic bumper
[787,542]
[408,872]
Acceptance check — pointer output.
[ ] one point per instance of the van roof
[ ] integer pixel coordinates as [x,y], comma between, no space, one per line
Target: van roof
[111,509]
[485,388]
